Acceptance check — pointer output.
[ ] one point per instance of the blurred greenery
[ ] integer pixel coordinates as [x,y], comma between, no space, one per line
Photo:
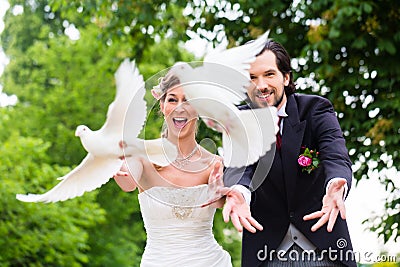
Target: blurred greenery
[347,51]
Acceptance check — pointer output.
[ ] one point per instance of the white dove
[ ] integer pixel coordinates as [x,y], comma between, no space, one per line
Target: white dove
[116,139]
[215,88]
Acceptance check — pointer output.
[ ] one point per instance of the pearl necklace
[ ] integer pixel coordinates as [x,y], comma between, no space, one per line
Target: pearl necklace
[181,162]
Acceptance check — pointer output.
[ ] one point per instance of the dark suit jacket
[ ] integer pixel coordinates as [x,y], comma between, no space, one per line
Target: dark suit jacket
[286,194]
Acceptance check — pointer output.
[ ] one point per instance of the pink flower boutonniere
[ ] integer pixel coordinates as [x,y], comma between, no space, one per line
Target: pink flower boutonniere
[308,160]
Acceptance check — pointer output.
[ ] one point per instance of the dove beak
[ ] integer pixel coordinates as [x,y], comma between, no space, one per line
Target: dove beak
[78,131]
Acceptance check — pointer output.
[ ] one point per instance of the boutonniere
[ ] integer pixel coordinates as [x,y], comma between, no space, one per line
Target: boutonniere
[308,160]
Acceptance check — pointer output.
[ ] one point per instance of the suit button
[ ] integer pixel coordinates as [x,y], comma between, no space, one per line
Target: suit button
[291,214]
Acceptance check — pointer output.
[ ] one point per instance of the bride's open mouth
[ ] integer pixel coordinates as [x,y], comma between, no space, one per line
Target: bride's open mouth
[179,122]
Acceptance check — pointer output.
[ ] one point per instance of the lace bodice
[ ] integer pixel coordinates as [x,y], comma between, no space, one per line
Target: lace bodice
[175,203]
[179,231]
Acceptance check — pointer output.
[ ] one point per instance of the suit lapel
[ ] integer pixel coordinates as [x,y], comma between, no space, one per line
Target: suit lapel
[293,132]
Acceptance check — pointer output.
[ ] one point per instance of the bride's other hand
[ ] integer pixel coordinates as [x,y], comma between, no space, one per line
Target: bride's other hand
[215,184]
[238,211]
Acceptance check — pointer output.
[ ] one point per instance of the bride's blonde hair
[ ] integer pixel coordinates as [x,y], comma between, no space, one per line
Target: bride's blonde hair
[169,81]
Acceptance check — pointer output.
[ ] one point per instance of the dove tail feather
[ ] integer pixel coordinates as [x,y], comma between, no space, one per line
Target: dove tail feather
[161,151]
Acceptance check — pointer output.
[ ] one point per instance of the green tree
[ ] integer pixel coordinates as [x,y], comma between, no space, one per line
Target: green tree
[39,234]
[61,83]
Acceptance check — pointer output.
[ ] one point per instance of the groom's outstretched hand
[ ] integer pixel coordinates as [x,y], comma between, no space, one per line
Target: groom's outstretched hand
[332,205]
[238,211]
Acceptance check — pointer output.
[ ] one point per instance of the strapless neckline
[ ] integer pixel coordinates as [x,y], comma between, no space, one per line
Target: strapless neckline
[173,188]
[185,197]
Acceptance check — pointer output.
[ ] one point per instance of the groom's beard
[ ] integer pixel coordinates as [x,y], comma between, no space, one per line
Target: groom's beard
[275,99]
[280,99]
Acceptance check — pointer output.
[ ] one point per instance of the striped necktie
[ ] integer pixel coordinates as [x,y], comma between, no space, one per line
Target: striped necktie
[278,135]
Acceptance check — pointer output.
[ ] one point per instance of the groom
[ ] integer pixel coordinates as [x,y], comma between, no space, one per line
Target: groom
[291,200]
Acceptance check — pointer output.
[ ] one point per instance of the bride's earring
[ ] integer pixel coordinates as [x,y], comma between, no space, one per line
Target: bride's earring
[164,130]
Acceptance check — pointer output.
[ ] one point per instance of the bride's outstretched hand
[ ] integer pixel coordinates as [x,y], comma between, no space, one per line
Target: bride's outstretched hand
[124,178]
[238,211]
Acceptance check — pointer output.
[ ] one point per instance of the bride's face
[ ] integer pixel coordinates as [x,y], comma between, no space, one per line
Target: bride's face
[179,115]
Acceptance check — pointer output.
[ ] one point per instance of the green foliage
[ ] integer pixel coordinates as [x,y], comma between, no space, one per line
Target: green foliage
[40,234]
[347,51]
[228,237]
[353,54]
[140,23]
[121,239]
[61,83]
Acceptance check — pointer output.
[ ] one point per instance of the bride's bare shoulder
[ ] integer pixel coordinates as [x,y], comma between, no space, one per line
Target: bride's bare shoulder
[205,154]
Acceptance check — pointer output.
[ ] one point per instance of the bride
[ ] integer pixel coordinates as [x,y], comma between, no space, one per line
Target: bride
[179,230]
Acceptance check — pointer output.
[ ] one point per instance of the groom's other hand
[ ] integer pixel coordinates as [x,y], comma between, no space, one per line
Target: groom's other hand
[238,211]
[332,205]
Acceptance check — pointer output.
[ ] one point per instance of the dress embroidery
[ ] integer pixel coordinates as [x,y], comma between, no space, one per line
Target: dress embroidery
[182,202]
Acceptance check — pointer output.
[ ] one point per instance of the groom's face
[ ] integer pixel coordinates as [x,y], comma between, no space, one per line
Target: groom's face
[269,82]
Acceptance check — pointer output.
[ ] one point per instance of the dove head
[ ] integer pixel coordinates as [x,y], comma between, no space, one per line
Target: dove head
[82,130]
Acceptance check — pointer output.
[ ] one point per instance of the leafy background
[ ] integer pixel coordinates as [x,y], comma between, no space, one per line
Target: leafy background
[344,50]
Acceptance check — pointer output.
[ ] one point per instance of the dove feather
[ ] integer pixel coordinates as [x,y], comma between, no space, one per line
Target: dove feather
[158,151]
[130,94]
[251,135]
[240,57]
[91,173]
[234,65]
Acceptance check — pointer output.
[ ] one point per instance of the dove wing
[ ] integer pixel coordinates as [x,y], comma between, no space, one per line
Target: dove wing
[252,134]
[211,103]
[246,134]
[92,173]
[158,151]
[130,95]
[230,67]
[240,57]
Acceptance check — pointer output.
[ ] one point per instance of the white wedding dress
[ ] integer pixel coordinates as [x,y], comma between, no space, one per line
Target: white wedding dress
[179,231]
